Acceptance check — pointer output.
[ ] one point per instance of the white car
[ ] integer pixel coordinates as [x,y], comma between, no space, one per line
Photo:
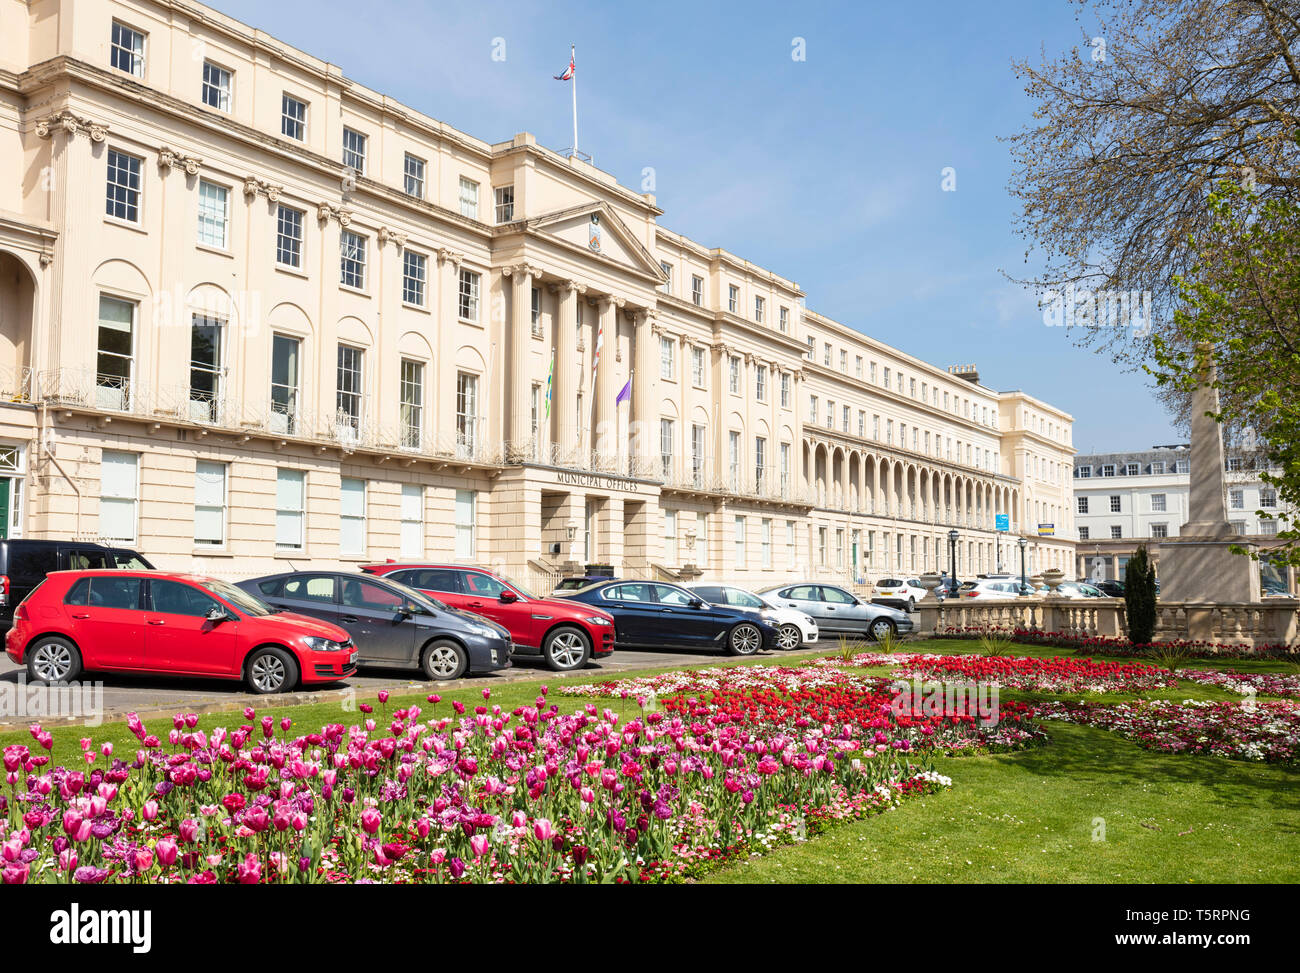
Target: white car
[989,588]
[907,590]
[793,627]
[1078,589]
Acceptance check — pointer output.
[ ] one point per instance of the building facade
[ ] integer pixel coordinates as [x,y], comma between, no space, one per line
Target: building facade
[1126,499]
[253,314]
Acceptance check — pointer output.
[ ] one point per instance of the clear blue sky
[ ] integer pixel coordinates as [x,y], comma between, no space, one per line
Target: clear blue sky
[827,171]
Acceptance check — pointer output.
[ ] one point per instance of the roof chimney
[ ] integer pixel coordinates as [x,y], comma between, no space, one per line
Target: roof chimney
[968,372]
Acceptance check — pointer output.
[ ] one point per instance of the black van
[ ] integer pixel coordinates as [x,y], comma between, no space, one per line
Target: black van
[24,564]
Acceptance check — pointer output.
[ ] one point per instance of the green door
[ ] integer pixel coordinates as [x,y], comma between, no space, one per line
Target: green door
[4,507]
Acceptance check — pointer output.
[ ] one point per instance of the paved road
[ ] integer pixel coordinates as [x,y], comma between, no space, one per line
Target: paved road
[22,703]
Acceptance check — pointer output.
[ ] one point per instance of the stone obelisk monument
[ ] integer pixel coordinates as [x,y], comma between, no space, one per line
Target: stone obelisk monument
[1197,565]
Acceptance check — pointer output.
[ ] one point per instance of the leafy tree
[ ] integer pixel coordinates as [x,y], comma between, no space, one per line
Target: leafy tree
[1241,306]
[1140,597]
[1135,126]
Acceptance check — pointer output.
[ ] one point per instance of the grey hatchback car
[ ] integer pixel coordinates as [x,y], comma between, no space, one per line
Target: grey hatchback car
[840,612]
[392,625]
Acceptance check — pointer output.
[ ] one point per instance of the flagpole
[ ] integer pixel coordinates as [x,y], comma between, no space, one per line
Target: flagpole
[574,83]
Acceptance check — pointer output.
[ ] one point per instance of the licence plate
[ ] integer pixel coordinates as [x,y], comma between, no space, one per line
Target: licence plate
[353,657]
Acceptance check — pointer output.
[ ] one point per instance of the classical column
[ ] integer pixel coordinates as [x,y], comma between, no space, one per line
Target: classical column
[605,428]
[564,390]
[519,425]
[645,375]
[445,343]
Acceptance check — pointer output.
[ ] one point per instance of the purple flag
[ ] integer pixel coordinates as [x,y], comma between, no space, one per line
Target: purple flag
[625,395]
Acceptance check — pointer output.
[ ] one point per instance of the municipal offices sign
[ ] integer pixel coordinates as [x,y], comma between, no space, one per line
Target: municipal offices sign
[1046,530]
[596,481]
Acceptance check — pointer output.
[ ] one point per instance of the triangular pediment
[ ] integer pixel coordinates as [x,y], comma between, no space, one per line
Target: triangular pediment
[576,227]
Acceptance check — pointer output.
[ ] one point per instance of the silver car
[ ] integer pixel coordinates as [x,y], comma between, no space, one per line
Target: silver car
[840,612]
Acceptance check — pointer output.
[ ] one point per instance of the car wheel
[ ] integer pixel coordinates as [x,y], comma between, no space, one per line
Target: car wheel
[444,660]
[788,637]
[744,639]
[53,659]
[566,649]
[270,670]
[881,628]
[911,604]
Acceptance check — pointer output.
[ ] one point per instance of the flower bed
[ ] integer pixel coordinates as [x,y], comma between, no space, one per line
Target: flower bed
[1055,675]
[864,712]
[1246,683]
[1119,646]
[479,795]
[872,660]
[1239,731]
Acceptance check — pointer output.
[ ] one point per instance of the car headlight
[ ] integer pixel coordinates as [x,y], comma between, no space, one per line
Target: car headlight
[769,617]
[597,620]
[808,620]
[318,644]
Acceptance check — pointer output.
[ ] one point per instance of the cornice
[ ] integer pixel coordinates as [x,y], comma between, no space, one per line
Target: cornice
[140,96]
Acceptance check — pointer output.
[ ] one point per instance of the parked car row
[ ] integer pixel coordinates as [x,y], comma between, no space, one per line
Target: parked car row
[74,607]
[799,613]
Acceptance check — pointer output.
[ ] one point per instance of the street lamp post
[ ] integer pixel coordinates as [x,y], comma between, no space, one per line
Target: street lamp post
[1023,544]
[952,556]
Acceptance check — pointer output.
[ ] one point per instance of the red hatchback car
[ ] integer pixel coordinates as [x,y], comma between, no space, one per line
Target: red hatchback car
[564,633]
[171,624]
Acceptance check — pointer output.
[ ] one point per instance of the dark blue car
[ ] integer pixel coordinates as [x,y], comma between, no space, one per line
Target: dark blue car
[648,613]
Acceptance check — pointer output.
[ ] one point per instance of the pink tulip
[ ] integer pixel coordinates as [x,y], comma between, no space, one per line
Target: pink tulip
[249,871]
[166,851]
[542,830]
[479,845]
[370,820]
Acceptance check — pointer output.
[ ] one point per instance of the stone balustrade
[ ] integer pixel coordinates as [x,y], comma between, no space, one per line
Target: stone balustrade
[1270,622]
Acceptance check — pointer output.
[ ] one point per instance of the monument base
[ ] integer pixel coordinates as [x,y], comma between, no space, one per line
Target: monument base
[1203,569]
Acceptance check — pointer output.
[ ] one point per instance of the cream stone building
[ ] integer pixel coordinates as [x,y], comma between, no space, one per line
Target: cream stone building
[254,315]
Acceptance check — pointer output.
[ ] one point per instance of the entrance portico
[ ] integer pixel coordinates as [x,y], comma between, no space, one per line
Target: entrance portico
[558,520]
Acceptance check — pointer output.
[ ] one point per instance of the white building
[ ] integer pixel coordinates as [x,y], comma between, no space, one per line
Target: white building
[1124,499]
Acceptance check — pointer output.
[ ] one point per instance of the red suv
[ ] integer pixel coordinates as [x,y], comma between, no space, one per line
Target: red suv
[171,624]
[564,633]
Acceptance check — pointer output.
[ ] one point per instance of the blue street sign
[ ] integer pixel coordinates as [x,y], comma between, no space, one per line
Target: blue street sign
[1003,522]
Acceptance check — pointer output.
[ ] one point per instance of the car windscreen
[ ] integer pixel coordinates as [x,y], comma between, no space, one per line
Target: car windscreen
[241,599]
[418,597]
[130,561]
[526,592]
[740,598]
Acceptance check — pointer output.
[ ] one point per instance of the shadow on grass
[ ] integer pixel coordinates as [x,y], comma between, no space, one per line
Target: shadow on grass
[1093,755]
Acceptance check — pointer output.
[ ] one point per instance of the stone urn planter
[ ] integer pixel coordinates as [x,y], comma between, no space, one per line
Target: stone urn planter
[1053,578]
[930,581]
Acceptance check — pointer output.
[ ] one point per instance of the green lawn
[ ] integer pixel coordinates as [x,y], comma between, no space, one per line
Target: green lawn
[1030,817]
[1019,817]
